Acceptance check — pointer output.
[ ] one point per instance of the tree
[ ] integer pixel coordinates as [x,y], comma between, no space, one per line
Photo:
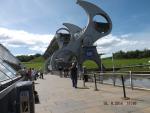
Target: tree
[133,54]
[27,58]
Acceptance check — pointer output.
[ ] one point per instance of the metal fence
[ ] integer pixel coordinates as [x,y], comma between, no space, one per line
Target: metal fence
[131,80]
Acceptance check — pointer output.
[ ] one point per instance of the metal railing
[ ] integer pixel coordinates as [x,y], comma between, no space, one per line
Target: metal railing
[131,80]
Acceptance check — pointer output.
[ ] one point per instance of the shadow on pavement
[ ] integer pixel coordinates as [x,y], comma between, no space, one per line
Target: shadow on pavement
[83,88]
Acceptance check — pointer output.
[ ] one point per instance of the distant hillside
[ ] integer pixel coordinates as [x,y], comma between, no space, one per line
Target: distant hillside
[132,54]
[27,58]
[38,59]
[37,63]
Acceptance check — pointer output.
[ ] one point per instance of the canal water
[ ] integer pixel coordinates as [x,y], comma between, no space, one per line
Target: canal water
[137,81]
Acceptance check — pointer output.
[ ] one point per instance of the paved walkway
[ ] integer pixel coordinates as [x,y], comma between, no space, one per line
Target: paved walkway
[58,96]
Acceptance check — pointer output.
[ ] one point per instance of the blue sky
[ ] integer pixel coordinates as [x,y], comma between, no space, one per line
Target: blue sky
[27,26]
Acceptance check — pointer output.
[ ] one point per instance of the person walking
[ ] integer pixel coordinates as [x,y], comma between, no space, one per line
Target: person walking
[73,72]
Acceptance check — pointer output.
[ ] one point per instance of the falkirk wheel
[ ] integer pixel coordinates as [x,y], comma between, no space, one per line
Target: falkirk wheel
[77,43]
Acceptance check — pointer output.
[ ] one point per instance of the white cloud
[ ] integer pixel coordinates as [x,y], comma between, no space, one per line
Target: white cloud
[37,43]
[39,48]
[126,35]
[111,43]
[13,46]
[19,38]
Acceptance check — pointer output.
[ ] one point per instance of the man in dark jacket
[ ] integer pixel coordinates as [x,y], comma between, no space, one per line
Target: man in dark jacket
[74,77]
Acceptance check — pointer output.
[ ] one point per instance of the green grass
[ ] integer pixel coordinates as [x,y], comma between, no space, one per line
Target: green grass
[90,64]
[38,63]
[118,63]
[124,62]
[38,59]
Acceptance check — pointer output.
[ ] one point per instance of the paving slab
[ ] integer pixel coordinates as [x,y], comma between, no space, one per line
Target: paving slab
[57,95]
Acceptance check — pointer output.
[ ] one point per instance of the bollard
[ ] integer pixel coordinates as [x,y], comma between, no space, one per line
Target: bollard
[131,81]
[124,91]
[96,89]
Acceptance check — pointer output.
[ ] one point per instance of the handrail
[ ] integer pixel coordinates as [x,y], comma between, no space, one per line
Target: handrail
[132,84]
[115,73]
[140,74]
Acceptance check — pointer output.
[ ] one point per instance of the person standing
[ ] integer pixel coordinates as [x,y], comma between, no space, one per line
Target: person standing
[29,74]
[41,74]
[73,72]
[60,70]
[33,72]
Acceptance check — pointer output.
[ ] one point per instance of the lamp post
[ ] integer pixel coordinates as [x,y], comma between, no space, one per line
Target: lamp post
[113,67]
[101,61]
[101,71]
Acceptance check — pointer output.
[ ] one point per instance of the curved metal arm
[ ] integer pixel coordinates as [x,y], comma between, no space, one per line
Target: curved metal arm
[62,29]
[90,31]
[72,28]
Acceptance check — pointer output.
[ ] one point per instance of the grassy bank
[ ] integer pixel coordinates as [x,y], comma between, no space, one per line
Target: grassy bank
[38,63]
[120,63]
